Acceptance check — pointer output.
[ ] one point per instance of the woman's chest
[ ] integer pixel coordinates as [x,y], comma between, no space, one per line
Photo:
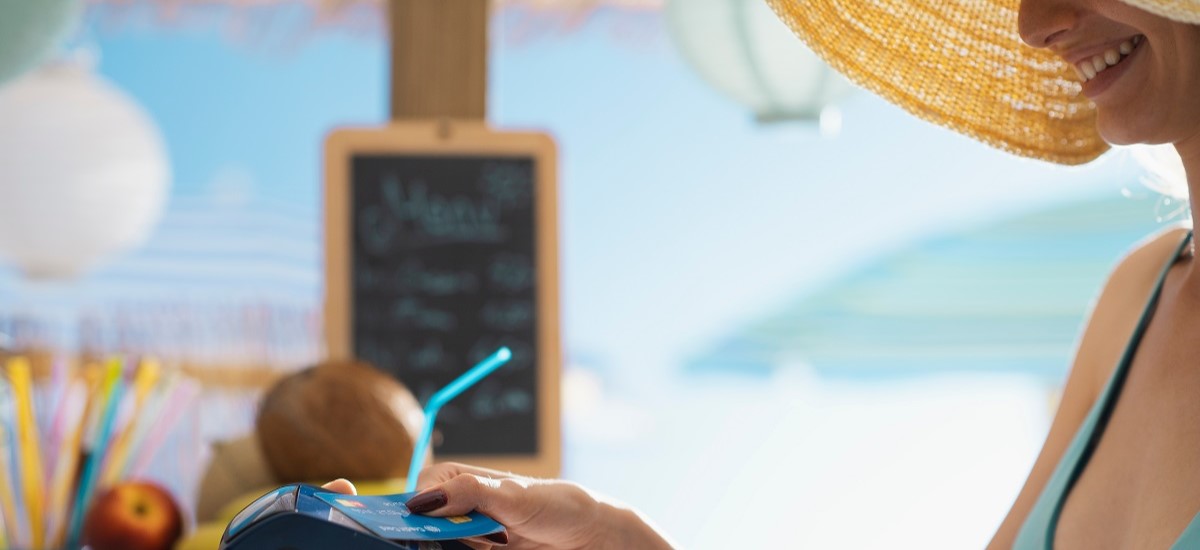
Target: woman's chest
[1141,486]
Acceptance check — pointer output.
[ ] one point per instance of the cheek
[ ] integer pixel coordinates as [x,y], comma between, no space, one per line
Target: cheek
[1162,107]
[1189,85]
[1179,84]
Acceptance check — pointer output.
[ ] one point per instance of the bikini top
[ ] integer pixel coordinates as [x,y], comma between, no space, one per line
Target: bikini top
[1037,533]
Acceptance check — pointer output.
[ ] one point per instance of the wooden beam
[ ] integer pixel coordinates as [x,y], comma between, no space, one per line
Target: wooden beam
[439,59]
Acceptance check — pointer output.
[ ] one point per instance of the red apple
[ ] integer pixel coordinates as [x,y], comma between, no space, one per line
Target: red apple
[133,515]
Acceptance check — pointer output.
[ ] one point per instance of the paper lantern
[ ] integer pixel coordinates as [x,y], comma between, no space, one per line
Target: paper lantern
[83,171]
[742,49]
[30,30]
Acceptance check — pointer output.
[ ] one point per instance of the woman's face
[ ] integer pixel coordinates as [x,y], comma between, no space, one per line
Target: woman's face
[1142,71]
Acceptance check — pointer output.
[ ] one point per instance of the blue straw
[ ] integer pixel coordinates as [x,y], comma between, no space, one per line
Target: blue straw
[84,495]
[443,396]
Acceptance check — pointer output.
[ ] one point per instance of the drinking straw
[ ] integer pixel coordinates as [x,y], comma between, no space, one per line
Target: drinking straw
[59,505]
[118,455]
[113,389]
[8,474]
[443,396]
[152,412]
[99,389]
[19,373]
[59,388]
[178,402]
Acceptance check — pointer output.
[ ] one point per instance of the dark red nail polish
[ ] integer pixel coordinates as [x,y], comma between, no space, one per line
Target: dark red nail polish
[498,538]
[427,502]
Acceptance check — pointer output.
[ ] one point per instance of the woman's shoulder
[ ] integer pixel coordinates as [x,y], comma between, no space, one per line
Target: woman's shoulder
[1144,262]
[1119,306]
[1134,277]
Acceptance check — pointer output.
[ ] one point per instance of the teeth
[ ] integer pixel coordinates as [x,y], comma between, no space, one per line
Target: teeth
[1089,68]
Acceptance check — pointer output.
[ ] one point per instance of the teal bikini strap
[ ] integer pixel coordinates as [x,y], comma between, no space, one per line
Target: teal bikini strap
[1114,389]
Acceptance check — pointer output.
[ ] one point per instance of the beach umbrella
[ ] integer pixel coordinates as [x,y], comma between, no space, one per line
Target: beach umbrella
[1008,296]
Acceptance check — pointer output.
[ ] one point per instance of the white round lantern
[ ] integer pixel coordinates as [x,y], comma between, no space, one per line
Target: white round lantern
[83,171]
[742,49]
[30,30]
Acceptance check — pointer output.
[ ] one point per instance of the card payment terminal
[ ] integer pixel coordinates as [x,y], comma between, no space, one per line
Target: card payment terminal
[292,517]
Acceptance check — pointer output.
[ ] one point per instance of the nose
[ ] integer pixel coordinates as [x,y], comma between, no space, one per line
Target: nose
[1043,22]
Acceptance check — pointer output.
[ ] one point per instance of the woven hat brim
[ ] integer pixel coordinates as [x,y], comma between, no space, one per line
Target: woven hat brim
[958,64]
[1184,11]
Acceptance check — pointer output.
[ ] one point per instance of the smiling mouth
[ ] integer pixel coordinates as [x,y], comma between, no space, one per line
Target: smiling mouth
[1089,68]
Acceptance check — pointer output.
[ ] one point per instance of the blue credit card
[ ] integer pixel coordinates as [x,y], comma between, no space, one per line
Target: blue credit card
[389,518]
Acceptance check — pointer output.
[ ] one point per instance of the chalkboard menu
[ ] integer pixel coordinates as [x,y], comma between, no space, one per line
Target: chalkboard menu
[441,249]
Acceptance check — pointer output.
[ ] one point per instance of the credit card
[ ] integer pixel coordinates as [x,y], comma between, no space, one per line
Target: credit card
[389,518]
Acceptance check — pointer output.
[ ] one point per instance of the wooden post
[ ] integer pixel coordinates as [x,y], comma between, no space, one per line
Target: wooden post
[439,59]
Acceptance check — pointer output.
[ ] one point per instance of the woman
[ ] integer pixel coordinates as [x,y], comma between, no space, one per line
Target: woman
[1121,464]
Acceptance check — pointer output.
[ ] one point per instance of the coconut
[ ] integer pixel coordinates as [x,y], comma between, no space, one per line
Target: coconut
[338,419]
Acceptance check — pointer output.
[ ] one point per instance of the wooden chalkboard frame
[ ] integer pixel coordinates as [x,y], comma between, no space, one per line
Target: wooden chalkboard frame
[454,138]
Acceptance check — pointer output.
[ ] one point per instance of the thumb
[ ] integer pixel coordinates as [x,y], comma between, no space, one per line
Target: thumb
[341,485]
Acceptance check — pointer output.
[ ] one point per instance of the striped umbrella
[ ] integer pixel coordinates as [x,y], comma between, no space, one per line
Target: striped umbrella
[1007,296]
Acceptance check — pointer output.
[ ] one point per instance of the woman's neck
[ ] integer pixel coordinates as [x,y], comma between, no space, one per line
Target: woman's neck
[1189,151]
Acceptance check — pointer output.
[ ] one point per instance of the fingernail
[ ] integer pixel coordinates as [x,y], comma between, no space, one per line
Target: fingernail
[499,538]
[427,501]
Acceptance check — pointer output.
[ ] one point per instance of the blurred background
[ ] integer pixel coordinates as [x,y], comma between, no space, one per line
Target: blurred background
[790,310]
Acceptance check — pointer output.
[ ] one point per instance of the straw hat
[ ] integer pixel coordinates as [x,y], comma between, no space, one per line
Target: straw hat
[961,64]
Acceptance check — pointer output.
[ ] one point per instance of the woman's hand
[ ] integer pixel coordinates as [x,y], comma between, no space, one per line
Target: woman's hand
[537,513]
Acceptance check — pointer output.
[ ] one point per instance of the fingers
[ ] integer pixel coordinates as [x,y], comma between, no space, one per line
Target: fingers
[486,543]
[555,512]
[341,485]
[441,473]
[477,543]
[470,494]
[464,493]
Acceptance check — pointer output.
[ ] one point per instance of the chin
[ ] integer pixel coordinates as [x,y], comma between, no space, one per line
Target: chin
[1121,134]
[1131,124]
